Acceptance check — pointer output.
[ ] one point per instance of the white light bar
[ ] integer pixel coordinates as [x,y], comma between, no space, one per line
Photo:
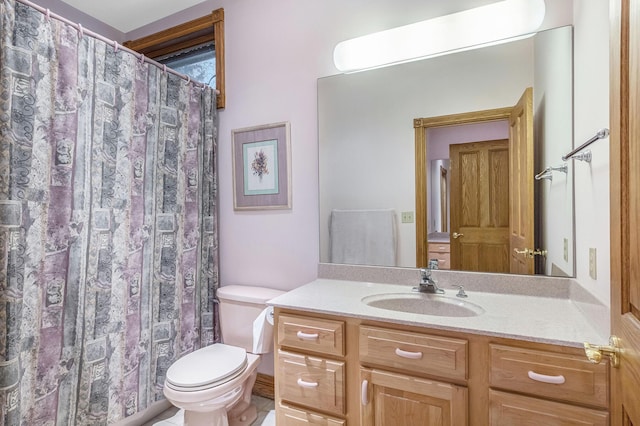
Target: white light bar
[471,28]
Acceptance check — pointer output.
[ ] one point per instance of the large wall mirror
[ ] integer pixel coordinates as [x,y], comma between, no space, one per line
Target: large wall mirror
[367,148]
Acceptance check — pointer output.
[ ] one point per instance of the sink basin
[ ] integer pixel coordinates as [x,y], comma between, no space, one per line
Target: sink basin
[425,304]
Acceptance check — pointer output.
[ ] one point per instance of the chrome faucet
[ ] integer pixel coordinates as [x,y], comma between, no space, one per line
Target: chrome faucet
[427,284]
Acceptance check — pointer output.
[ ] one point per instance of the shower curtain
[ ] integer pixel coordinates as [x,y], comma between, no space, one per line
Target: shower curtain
[108,224]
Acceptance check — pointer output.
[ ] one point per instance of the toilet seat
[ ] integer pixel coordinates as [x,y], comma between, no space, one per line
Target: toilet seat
[206,368]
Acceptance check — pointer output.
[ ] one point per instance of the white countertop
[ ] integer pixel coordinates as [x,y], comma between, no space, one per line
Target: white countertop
[554,320]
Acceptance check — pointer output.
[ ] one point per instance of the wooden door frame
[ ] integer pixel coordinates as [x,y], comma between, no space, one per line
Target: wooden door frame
[421,126]
[624,314]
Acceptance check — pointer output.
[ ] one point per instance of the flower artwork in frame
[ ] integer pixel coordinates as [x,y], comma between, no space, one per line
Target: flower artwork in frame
[262,167]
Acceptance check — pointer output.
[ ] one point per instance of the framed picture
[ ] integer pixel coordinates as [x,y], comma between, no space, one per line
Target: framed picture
[262,167]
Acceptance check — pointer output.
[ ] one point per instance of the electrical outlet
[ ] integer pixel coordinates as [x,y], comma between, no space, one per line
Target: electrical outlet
[566,249]
[407,217]
[593,273]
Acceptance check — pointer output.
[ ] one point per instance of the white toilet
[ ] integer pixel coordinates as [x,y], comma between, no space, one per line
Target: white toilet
[213,384]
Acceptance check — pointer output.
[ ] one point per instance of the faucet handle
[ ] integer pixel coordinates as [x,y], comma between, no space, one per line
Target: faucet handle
[461,292]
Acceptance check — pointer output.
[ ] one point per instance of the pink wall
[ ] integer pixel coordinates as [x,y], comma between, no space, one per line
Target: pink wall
[441,137]
[74,15]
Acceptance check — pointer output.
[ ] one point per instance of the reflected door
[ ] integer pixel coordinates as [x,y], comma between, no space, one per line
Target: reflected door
[480,206]
[521,215]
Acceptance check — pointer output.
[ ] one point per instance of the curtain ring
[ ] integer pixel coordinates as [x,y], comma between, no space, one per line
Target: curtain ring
[80,32]
[188,79]
[48,13]
[115,46]
[141,59]
[164,68]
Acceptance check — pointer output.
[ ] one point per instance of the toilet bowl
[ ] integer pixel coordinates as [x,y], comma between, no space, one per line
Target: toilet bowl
[213,384]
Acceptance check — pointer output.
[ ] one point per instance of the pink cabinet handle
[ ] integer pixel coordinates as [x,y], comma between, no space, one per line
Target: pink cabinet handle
[307,336]
[409,355]
[554,380]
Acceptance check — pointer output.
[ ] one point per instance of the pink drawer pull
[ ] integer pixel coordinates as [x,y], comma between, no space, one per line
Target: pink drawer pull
[304,384]
[409,355]
[307,336]
[554,380]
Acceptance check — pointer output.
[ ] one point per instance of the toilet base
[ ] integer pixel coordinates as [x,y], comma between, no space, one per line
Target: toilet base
[220,417]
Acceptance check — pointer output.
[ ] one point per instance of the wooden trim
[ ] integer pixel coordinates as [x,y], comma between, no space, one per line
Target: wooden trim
[421,125]
[264,386]
[618,151]
[464,118]
[197,31]
[218,33]
[422,180]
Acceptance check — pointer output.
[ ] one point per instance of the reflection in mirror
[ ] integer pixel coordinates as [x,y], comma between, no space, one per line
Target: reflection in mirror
[439,197]
[367,144]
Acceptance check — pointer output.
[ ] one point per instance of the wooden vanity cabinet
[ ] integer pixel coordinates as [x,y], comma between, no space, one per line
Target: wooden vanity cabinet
[358,372]
[442,252]
[575,391]
[310,370]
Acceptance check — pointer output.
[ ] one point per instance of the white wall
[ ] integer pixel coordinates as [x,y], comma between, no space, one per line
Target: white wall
[591,113]
[553,132]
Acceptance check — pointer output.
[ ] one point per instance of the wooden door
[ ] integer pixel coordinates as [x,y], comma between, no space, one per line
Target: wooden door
[391,399]
[480,206]
[521,215]
[624,143]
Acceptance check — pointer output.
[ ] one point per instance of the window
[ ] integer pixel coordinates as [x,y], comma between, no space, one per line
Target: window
[195,48]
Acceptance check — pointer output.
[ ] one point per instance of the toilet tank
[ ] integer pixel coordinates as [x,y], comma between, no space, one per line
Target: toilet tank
[239,307]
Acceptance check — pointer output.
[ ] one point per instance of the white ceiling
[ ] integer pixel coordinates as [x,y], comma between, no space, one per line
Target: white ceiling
[128,15]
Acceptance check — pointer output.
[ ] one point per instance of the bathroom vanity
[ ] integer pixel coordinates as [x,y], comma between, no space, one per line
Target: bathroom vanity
[362,353]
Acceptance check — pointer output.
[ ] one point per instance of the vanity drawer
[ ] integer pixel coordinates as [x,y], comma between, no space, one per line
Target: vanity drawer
[289,416]
[313,382]
[509,409]
[444,259]
[558,376]
[311,334]
[414,352]
[439,247]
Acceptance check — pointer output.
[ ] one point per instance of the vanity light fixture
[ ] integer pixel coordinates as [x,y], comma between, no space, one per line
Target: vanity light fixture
[470,29]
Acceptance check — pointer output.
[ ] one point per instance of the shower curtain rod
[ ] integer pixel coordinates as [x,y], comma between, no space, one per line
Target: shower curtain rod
[83,31]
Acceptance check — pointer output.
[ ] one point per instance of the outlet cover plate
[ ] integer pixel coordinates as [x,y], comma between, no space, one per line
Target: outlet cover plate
[407,217]
[593,273]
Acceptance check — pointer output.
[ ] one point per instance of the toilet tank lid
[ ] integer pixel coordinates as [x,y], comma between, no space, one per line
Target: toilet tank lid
[249,294]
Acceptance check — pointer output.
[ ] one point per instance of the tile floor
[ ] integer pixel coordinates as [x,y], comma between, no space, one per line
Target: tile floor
[264,405]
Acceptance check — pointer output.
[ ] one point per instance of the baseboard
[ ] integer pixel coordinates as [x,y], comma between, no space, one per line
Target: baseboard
[264,386]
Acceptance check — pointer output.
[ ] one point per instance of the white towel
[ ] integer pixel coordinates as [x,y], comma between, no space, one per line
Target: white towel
[363,237]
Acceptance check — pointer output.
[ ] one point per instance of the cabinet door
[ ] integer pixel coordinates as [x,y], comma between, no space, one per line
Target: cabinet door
[390,399]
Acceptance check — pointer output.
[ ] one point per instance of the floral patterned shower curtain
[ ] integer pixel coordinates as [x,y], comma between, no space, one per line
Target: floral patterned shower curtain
[108,224]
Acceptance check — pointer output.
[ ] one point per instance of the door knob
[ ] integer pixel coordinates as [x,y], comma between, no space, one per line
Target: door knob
[456,235]
[595,352]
